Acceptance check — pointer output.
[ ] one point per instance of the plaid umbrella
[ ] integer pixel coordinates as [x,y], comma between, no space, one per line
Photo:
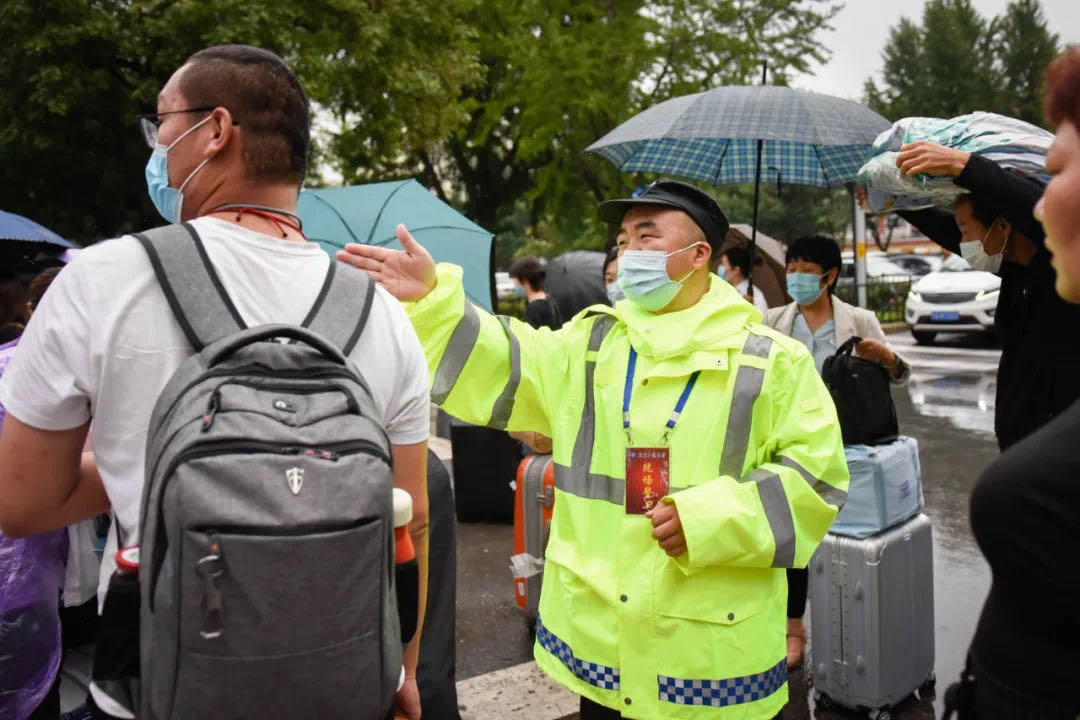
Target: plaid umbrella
[727,134]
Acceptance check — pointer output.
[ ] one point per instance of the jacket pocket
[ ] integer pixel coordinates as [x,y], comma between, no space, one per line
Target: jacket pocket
[723,596]
[719,623]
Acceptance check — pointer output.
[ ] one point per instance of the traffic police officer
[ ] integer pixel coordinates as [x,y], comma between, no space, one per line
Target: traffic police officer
[697,454]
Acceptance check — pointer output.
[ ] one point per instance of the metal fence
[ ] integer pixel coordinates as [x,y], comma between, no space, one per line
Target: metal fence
[886,295]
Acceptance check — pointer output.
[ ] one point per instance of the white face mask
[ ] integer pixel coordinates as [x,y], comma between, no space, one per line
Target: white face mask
[976,255]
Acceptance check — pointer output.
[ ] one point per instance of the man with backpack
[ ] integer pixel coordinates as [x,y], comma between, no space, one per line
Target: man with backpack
[288,437]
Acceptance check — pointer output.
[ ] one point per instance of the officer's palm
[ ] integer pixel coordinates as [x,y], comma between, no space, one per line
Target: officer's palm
[408,274]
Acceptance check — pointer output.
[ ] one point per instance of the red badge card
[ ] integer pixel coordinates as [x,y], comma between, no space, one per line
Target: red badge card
[647,478]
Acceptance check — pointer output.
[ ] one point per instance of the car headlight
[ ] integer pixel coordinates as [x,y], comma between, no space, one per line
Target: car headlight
[987,294]
[914,296]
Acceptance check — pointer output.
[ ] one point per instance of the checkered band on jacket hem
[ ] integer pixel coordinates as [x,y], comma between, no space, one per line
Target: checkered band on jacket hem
[601,676]
[721,693]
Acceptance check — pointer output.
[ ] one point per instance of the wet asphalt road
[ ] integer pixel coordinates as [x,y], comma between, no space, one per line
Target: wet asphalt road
[947,406]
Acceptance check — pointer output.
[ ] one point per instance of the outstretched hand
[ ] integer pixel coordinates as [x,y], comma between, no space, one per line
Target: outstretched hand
[408,274]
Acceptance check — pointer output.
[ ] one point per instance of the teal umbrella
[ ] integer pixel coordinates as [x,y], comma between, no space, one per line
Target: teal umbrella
[368,214]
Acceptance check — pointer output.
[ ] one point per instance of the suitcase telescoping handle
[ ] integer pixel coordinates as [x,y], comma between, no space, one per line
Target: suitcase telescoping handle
[240,340]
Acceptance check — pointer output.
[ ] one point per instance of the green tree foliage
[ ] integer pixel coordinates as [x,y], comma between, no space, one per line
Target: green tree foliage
[956,62]
[558,75]
[1024,47]
[74,73]
[491,103]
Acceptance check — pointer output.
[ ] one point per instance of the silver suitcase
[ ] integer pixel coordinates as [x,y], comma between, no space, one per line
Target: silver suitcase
[872,618]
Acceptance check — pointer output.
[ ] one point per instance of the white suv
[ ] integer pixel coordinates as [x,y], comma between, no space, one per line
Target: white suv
[953,299]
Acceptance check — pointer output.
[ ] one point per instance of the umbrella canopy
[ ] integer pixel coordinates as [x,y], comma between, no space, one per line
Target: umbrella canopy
[27,247]
[728,134]
[17,228]
[576,280]
[808,138]
[368,214]
[770,266]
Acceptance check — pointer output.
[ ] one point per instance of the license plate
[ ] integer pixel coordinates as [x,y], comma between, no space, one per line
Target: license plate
[944,316]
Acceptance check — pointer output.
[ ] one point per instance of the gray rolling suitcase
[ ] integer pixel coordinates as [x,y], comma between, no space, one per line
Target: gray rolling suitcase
[872,617]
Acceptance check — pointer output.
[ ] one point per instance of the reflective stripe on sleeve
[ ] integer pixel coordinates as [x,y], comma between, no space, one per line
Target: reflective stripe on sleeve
[825,491]
[778,512]
[458,350]
[504,405]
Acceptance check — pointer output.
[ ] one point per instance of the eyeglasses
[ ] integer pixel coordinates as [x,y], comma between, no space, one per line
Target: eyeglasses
[150,123]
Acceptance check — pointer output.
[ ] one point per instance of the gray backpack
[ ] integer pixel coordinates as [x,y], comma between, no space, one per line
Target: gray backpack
[266,533]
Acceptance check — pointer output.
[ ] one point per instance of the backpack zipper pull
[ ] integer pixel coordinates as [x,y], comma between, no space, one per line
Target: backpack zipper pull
[209,568]
[211,410]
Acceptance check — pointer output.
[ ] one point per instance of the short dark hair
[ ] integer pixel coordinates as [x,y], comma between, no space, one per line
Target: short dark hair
[264,97]
[983,211]
[1061,100]
[819,249]
[738,257]
[612,256]
[12,299]
[529,269]
[40,284]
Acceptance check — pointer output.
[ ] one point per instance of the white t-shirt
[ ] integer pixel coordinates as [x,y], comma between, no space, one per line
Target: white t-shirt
[103,343]
[759,297]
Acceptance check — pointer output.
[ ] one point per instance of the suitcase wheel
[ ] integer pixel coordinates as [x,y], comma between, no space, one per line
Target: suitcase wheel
[823,701]
[882,714]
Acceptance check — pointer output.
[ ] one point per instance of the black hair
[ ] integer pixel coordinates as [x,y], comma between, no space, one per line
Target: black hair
[13,293]
[819,249]
[612,256]
[528,269]
[40,284]
[265,99]
[983,211]
[738,257]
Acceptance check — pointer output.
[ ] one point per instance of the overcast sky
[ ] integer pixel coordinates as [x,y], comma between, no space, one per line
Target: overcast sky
[862,29]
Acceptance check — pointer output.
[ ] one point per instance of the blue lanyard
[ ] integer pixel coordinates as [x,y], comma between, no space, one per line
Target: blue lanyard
[629,389]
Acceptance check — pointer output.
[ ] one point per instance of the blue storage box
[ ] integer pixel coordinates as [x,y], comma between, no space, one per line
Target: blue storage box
[885,490]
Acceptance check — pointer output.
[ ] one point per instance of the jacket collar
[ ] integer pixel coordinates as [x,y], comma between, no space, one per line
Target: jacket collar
[696,338]
[844,318]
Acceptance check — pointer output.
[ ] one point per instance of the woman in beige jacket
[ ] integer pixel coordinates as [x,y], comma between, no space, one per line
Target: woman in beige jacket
[823,322]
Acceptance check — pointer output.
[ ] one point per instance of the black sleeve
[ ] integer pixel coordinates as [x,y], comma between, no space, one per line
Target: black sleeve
[936,224]
[1013,195]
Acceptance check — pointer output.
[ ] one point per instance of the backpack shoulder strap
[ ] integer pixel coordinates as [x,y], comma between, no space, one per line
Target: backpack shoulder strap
[191,285]
[342,308]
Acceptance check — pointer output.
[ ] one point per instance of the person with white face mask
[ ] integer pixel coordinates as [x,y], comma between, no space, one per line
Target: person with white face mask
[697,454]
[994,229]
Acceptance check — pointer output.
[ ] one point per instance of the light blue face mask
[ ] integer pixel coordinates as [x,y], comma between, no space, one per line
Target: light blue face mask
[804,288]
[643,278]
[721,272]
[614,292]
[168,200]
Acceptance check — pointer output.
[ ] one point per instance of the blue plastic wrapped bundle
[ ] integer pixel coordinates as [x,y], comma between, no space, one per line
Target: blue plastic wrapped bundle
[1013,144]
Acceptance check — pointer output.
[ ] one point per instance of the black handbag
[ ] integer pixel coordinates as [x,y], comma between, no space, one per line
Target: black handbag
[863,399]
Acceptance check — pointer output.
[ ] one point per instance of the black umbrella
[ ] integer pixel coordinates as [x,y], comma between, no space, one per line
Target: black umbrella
[576,280]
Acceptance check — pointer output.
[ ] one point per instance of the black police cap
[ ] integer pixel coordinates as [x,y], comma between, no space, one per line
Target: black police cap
[701,208]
